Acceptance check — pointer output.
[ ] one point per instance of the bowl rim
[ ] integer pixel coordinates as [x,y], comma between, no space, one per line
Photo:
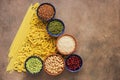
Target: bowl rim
[77,56]
[72,38]
[55,35]
[53,9]
[57,73]
[33,57]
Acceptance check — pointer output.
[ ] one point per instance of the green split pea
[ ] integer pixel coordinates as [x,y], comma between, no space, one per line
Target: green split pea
[55,27]
[34,65]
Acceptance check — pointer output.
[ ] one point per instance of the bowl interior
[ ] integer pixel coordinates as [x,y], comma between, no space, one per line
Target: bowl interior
[70,52]
[33,57]
[41,17]
[81,63]
[55,35]
[48,71]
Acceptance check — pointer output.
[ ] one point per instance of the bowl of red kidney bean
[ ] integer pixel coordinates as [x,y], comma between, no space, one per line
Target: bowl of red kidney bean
[73,63]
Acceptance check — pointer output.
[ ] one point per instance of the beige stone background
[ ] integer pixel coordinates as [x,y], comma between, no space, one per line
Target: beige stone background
[94,23]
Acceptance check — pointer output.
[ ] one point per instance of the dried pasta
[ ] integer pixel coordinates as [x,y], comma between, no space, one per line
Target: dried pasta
[36,43]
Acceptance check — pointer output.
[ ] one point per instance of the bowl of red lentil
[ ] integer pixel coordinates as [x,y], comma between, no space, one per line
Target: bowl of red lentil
[73,63]
[54,65]
[46,11]
[55,27]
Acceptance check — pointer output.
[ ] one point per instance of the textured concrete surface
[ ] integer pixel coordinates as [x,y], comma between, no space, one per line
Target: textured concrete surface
[94,23]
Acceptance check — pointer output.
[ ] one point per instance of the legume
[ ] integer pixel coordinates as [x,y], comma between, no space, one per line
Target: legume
[33,65]
[46,11]
[55,27]
[73,62]
[54,65]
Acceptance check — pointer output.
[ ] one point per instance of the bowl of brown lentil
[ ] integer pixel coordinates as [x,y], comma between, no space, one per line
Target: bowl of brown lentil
[55,27]
[54,65]
[46,11]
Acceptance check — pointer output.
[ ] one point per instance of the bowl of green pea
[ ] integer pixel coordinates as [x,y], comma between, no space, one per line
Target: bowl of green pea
[33,65]
[55,27]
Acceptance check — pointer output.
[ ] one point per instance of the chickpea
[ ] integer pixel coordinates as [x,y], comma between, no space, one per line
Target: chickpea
[54,64]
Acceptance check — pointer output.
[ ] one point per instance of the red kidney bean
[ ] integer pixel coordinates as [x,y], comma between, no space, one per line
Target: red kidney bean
[73,63]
